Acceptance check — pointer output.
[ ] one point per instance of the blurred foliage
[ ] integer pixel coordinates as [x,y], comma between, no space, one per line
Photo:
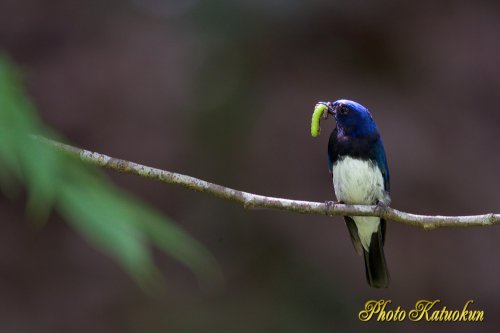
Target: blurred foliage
[115,222]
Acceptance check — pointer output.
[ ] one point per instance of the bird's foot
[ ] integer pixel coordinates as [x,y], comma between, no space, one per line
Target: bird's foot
[381,206]
[329,205]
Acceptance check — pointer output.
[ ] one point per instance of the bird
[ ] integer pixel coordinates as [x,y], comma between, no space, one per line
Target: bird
[360,174]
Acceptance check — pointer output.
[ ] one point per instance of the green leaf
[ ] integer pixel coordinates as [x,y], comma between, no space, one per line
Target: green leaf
[115,222]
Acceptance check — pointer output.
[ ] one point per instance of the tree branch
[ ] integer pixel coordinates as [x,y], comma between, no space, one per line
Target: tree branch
[250,200]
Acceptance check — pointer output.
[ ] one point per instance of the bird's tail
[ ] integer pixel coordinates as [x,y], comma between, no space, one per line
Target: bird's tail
[377,273]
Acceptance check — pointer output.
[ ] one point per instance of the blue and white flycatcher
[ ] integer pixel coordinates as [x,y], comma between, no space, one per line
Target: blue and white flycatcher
[360,173]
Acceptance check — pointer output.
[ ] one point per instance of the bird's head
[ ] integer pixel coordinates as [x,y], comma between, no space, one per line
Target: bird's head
[352,118]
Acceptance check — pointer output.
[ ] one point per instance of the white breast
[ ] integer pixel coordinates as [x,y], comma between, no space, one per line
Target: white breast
[359,182]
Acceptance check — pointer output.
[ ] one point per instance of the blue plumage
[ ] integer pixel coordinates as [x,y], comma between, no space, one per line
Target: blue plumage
[360,173]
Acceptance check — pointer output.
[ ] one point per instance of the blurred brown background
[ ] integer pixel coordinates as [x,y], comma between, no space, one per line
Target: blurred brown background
[224,90]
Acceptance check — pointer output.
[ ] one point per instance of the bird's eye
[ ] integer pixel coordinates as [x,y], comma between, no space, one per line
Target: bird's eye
[343,110]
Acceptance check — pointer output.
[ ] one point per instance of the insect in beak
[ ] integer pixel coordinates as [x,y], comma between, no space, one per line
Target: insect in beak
[330,108]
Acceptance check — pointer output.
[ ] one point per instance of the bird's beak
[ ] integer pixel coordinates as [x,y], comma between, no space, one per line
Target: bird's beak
[330,108]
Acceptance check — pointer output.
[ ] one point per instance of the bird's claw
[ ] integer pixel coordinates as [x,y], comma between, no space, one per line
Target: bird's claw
[329,205]
[381,206]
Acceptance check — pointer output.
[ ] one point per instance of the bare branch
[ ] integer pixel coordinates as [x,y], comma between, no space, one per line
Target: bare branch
[250,200]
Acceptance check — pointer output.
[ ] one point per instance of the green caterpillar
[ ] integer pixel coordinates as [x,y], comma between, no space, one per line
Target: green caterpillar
[319,112]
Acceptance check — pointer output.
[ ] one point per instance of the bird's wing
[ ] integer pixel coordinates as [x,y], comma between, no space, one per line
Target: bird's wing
[382,164]
[382,230]
[353,232]
[384,168]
